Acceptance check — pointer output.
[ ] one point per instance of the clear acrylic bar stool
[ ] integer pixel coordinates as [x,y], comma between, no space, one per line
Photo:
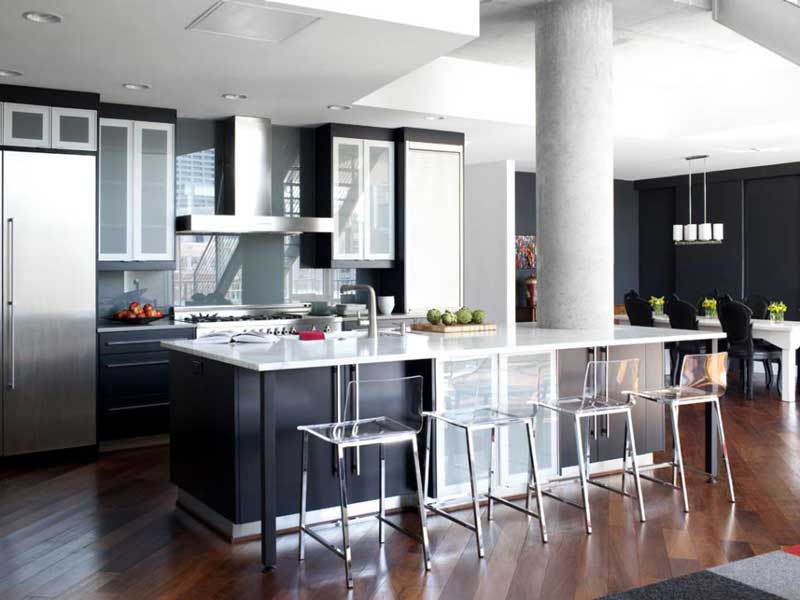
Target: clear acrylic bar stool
[378,431]
[703,379]
[481,413]
[608,388]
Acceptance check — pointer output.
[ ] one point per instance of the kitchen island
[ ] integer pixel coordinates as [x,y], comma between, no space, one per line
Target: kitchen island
[235,409]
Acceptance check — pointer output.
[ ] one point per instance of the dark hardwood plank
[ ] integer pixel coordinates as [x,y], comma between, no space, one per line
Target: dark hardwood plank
[109,531]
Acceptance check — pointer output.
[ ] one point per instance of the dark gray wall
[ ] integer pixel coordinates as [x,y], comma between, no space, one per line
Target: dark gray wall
[626,231]
[760,209]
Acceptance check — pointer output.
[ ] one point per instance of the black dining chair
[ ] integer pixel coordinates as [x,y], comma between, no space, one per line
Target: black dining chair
[759,305]
[682,315]
[736,322]
[640,313]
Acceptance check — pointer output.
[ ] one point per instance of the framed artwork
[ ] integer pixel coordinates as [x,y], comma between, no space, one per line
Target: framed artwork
[526,252]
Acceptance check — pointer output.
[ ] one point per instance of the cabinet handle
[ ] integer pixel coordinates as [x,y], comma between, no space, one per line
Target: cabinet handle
[12,384]
[137,342]
[135,406]
[144,363]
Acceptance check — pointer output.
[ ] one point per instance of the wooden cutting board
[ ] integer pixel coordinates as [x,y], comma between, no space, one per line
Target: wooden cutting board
[445,329]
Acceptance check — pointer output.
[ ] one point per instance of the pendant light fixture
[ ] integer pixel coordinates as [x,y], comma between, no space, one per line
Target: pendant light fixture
[705,232]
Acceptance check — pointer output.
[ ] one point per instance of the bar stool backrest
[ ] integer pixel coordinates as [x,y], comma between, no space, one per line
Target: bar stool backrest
[380,392]
[610,382]
[707,372]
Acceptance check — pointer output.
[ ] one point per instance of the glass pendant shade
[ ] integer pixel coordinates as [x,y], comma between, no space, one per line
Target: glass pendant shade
[719,231]
[705,232]
[690,232]
[677,233]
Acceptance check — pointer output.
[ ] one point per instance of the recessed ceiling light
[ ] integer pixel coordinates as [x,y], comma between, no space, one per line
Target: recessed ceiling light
[35,16]
[338,107]
[10,73]
[434,118]
[137,86]
[234,96]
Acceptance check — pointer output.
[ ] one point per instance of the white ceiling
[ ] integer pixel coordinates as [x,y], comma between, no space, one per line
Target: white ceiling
[335,60]
[683,84]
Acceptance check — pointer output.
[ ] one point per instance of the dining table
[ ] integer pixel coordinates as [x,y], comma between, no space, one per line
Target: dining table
[783,334]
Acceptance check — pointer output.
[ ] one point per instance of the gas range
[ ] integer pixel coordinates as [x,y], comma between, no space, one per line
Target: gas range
[282,319]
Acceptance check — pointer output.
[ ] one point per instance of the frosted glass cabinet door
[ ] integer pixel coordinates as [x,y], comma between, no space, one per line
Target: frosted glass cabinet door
[463,384]
[524,378]
[116,190]
[153,191]
[348,207]
[379,196]
[26,125]
[74,129]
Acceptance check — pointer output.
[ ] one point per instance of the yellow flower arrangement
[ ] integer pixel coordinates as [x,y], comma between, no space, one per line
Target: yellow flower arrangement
[656,301]
[777,307]
[710,303]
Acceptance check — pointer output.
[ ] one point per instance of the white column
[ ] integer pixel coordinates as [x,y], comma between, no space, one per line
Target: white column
[489,198]
[574,164]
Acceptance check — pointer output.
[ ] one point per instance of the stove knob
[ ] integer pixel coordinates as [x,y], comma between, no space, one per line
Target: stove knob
[293,331]
[327,328]
[284,331]
[269,331]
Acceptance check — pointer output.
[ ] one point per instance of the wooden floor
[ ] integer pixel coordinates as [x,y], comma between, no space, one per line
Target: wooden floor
[109,530]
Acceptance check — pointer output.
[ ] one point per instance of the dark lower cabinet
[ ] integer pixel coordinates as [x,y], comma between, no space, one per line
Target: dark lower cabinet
[132,381]
[215,453]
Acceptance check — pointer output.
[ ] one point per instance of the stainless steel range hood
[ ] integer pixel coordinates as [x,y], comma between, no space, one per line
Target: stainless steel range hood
[244,180]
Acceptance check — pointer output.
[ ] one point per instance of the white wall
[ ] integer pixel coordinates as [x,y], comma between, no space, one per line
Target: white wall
[489,197]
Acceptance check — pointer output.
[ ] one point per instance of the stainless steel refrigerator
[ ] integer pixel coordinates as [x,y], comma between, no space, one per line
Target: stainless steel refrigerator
[49,309]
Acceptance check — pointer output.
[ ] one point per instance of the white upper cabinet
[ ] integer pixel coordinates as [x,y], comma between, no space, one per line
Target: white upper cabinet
[379,199]
[137,191]
[153,191]
[434,192]
[34,126]
[363,197]
[74,129]
[26,125]
[116,190]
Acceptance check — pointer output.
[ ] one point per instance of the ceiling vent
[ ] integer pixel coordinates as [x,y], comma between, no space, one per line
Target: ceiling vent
[250,21]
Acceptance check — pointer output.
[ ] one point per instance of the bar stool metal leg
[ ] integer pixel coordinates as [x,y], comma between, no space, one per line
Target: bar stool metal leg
[382,497]
[492,452]
[582,467]
[636,477]
[428,424]
[423,518]
[678,455]
[625,456]
[301,552]
[674,417]
[474,484]
[721,434]
[534,470]
[348,567]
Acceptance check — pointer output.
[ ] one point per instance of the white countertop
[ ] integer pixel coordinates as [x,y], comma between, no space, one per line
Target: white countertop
[524,338]
[713,323]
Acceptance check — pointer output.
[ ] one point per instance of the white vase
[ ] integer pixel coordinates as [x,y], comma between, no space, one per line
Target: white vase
[385,304]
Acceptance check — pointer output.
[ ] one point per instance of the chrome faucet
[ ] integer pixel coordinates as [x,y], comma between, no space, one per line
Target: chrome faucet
[373,319]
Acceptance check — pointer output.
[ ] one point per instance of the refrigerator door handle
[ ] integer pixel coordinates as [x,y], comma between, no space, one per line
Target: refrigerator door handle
[11,340]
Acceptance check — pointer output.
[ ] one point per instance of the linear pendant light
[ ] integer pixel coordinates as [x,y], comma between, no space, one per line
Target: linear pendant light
[705,232]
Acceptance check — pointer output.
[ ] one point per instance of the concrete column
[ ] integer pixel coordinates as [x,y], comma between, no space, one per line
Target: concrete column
[574,164]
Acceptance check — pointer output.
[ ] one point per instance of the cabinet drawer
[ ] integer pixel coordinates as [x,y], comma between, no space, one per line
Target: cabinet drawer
[125,342]
[134,380]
